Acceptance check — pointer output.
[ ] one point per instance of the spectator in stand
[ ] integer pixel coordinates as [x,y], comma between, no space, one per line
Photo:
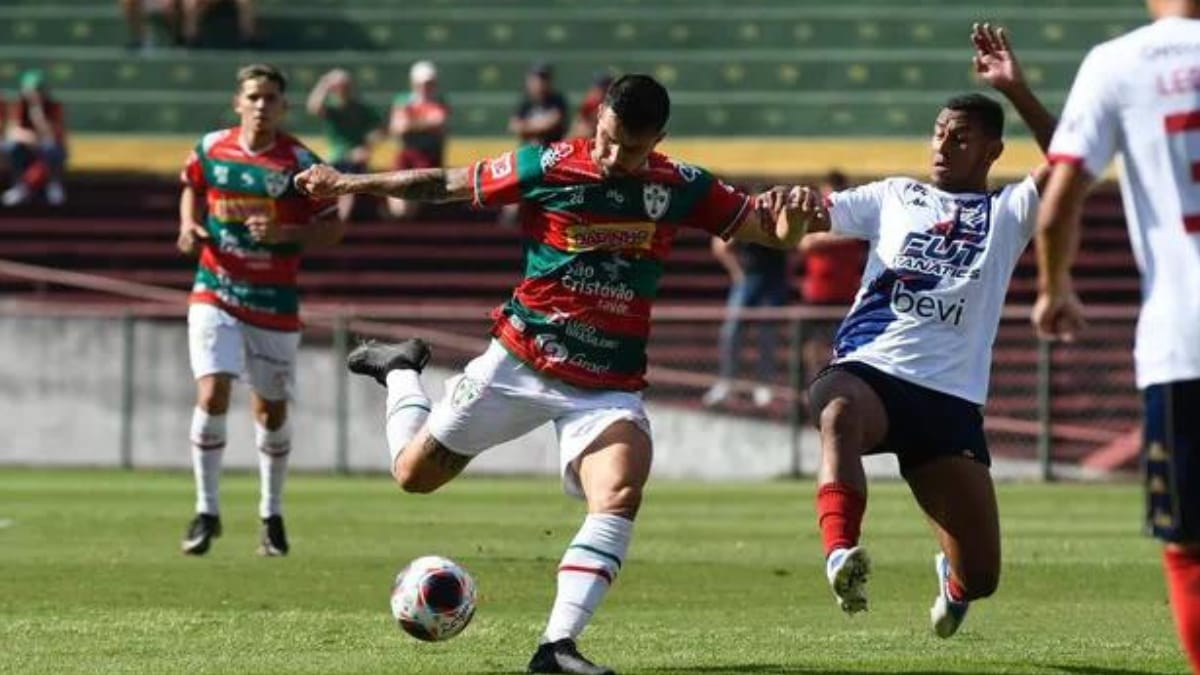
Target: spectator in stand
[135,12]
[351,127]
[589,110]
[758,278]
[35,143]
[833,268]
[541,116]
[193,19]
[418,125]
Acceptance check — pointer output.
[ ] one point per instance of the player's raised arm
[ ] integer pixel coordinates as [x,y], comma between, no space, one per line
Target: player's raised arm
[1080,152]
[424,185]
[782,216]
[997,65]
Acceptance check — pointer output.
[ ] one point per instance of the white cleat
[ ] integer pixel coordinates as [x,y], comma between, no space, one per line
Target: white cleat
[946,615]
[847,570]
[16,195]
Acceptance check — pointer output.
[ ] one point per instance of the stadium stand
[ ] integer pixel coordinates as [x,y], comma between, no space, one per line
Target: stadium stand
[779,68]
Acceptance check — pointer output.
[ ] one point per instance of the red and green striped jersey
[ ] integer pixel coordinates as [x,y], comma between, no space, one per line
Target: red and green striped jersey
[254,282]
[594,249]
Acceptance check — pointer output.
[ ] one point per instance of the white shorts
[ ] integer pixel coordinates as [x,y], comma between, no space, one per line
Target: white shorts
[498,398]
[220,343]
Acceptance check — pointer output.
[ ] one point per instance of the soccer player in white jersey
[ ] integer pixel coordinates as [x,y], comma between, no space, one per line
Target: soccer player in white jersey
[1139,95]
[912,357]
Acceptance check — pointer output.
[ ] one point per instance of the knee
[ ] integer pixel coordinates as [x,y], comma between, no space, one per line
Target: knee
[411,480]
[213,398]
[271,417]
[837,416]
[621,501]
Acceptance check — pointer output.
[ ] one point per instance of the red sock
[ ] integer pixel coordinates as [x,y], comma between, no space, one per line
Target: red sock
[1183,582]
[955,590]
[840,510]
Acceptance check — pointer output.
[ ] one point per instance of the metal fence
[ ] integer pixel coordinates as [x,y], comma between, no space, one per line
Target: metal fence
[119,371]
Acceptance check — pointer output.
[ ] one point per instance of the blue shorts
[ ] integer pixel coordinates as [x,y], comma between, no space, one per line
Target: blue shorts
[1171,461]
[923,424]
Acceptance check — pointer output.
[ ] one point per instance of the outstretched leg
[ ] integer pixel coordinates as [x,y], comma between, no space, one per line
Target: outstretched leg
[853,421]
[957,495]
[420,463]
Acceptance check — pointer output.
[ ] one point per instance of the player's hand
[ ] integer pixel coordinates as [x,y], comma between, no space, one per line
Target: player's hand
[994,60]
[191,237]
[772,202]
[320,181]
[804,208]
[1058,316]
[264,229]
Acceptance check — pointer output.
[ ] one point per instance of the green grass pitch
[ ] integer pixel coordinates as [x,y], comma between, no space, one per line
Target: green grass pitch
[720,579]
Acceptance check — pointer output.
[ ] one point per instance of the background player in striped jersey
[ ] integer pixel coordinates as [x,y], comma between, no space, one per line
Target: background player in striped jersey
[1139,95]
[241,213]
[912,357]
[599,215]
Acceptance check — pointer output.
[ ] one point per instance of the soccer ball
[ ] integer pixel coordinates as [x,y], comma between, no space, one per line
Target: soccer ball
[433,598]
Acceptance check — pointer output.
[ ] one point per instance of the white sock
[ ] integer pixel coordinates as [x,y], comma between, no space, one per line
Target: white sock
[588,568]
[208,446]
[407,409]
[273,449]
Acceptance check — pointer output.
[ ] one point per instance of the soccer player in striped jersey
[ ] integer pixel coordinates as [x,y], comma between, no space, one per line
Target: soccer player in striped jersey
[599,215]
[242,215]
[912,357]
[1139,94]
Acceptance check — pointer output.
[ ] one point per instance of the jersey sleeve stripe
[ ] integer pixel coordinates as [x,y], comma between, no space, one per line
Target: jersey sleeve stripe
[1063,158]
[735,223]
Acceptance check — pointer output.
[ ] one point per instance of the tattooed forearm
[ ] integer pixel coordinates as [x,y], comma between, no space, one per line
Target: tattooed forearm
[445,458]
[424,185]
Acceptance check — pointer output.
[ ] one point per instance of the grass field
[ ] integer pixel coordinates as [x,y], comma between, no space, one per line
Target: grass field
[720,579]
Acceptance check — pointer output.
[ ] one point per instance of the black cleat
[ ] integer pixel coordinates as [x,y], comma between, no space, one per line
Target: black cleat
[563,657]
[377,359]
[273,541]
[200,533]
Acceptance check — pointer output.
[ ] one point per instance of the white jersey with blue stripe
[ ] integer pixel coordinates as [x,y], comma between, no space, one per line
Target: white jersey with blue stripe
[935,280]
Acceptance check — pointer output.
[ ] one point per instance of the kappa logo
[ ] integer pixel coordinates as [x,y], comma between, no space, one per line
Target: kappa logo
[657,198]
[276,183]
[502,166]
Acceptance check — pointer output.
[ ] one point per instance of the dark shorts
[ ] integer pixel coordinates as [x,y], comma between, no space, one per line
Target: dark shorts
[1171,461]
[923,424]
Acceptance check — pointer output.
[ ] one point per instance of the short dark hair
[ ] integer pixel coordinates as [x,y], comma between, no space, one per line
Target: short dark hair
[836,180]
[640,102]
[265,71]
[982,110]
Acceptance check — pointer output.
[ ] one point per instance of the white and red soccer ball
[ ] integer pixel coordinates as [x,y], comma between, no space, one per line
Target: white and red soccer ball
[433,598]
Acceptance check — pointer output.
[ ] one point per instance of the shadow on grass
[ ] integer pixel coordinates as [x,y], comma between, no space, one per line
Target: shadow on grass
[732,668]
[1096,670]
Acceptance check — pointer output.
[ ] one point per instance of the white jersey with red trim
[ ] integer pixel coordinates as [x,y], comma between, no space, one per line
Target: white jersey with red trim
[1140,95]
[935,280]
